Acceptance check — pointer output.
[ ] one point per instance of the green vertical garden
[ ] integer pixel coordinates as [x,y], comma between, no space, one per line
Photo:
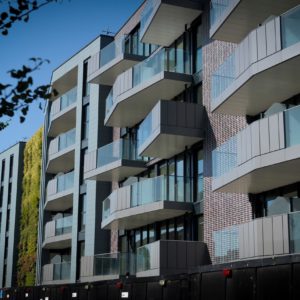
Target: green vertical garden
[30,210]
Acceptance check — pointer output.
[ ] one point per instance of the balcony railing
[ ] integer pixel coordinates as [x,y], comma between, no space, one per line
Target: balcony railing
[63,102]
[269,236]
[62,271]
[233,68]
[114,264]
[150,7]
[147,69]
[161,188]
[65,182]
[226,156]
[67,139]
[117,150]
[63,225]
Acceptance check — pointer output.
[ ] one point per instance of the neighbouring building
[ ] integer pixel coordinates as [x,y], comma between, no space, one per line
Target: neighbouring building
[11,173]
[174,143]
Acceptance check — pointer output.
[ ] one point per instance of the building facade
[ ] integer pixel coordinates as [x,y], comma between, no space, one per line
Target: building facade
[11,170]
[174,143]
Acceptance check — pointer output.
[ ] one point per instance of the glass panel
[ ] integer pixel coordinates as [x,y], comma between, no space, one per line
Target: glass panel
[217,9]
[111,51]
[163,231]
[180,179]
[63,225]
[200,176]
[171,227]
[180,229]
[292,126]
[290,23]
[144,236]
[277,206]
[151,234]
[65,182]
[68,98]
[61,271]
[66,139]
[120,149]
[146,260]
[198,49]
[137,238]
[147,13]
[294,228]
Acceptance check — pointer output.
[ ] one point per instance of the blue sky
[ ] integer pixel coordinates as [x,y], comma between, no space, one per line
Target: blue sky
[55,32]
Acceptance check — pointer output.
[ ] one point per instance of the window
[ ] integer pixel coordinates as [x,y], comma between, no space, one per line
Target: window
[197,39]
[86,85]
[277,205]
[83,203]
[180,229]
[2,170]
[85,122]
[163,231]
[11,164]
[199,186]
[137,239]
[9,193]
[200,229]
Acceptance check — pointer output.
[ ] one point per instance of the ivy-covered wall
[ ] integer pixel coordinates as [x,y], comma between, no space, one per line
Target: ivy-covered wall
[30,210]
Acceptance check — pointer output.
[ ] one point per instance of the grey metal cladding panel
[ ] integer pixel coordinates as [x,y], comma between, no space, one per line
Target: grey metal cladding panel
[258,237]
[181,115]
[241,242]
[161,113]
[239,149]
[261,42]
[278,235]
[191,116]
[181,261]
[255,143]
[268,236]
[274,132]
[191,253]
[271,37]
[172,254]
[278,33]
[248,143]
[264,136]
[253,47]
[172,115]
[281,131]
[285,233]
[251,239]
[163,254]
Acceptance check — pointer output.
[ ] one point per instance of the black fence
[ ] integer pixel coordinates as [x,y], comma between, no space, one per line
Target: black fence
[272,281]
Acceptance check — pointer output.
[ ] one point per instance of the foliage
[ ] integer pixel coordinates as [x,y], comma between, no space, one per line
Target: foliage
[30,210]
[18,98]
[19,10]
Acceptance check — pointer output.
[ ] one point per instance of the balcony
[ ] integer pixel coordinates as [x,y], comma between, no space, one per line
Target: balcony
[61,153]
[63,113]
[137,90]
[107,266]
[166,257]
[262,70]
[60,193]
[264,156]
[56,273]
[170,128]
[113,162]
[113,59]
[145,202]
[270,236]
[58,234]
[232,20]
[163,21]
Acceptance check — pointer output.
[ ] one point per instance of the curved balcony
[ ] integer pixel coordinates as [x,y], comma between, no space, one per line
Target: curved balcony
[145,202]
[60,193]
[163,21]
[112,60]
[63,113]
[264,156]
[113,162]
[232,20]
[61,153]
[58,234]
[263,69]
[170,128]
[136,91]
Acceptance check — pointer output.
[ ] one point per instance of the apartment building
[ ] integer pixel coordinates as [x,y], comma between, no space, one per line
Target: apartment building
[11,173]
[170,141]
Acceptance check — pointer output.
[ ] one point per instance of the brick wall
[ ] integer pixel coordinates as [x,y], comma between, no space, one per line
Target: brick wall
[220,209]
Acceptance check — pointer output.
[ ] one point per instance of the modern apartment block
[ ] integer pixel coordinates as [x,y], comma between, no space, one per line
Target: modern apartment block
[11,173]
[174,143]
